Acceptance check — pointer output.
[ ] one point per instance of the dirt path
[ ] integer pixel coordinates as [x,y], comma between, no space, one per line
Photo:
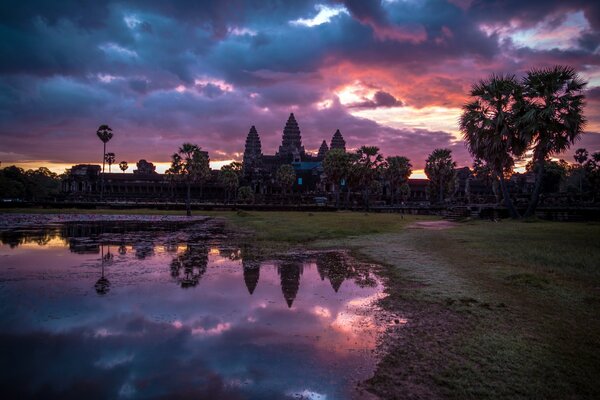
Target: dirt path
[435,225]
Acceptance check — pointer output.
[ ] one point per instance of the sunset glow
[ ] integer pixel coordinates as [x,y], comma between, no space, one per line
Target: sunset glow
[384,73]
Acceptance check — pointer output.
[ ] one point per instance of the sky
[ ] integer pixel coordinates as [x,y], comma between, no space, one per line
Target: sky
[391,73]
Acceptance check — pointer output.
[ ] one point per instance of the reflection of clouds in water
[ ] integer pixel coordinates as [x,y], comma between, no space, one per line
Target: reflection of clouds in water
[230,335]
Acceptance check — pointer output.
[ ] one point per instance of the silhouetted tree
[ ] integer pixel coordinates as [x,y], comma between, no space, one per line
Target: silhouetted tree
[104,133]
[123,166]
[245,194]
[489,128]
[439,168]
[368,168]
[552,117]
[396,171]
[110,160]
[286,177]
[230,178]
[191,165]
[336,166]
[581,156]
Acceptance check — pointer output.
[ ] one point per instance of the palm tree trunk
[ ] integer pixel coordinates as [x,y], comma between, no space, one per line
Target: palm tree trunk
[535,195]
[514,213]
[441,189]
[102,177]
[188,200]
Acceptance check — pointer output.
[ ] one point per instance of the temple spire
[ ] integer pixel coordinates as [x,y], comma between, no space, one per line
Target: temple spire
[252,150]
[323,149]
[292,140]
[337,141]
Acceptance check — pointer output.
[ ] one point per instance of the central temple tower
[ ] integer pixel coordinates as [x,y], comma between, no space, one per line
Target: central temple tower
[291,143]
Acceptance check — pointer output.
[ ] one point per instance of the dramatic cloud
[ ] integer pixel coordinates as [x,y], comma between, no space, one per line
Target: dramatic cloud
[391,73]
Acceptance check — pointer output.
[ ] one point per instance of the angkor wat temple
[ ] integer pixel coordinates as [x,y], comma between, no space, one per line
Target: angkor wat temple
[84,181]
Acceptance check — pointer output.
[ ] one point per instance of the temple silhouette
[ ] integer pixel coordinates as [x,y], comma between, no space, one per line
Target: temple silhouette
[83,181]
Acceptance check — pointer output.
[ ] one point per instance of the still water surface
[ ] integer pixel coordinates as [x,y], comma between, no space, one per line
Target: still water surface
[137,311]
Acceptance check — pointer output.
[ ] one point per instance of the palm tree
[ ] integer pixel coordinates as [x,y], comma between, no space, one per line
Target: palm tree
[230,180]
[335,166]
[286,176]
[110,159]
[104,133]
[369,165]
[396,171]
[581,156]
[488,125]
[439,168]
[552,116]
[124,166]
[190,164]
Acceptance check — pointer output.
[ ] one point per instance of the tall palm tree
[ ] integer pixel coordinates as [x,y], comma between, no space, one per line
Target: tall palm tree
[552,117]
[369,165]
[123,166]
[488,125]
[191,165]
[335,165]
[110,160]
[396,171]
[439,168]
[104,133]
[581,156]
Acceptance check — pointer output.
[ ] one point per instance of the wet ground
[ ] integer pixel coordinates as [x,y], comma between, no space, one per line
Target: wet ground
[143,308]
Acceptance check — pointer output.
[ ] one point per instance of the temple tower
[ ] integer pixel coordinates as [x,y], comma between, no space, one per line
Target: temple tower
[337,141]
[252,151]
[323,150]
[291,141]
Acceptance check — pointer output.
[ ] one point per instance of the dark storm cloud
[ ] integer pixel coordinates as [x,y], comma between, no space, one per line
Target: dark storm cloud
[163,72]
[380,99]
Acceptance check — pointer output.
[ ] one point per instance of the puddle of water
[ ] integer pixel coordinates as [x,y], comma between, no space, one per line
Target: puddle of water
[114,311]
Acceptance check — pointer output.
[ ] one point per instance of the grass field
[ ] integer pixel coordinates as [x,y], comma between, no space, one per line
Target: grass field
[494,310]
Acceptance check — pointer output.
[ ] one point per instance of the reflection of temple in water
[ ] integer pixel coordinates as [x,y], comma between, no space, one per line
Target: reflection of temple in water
[188,267]
[251,266]
[290,272]
[333,266]
[251,276]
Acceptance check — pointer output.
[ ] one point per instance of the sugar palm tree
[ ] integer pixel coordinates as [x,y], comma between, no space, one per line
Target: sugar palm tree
[552,116]
[439,168]
[581,156]
[230,179]
[104,133]
[396,171]
[191,165]
[123,166]
[488,125]
[335,166]
[369,164]
[110,159]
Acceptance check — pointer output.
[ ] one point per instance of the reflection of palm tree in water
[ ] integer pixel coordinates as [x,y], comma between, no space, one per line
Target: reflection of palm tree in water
[334,267]
[193,263]
[102,285]
[290,272]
